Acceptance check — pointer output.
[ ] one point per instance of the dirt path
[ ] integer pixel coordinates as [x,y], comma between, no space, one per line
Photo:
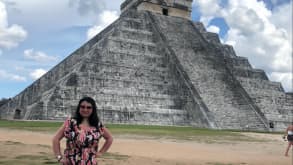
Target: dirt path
[145,151]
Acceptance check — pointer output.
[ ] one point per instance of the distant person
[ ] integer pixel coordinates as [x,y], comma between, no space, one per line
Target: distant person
[82,133]
[289,133]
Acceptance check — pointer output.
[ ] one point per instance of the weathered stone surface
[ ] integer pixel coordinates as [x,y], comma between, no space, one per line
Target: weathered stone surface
[269,97]
[148,68]
[177,8]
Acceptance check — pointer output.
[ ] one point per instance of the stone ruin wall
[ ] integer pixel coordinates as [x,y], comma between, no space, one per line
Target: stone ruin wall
[270,97]
[180,92]
[71,79]
[158,9]
[177,8]
[208,74]
[48,86]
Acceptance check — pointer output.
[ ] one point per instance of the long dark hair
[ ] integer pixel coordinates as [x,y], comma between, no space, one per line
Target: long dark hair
[93,119]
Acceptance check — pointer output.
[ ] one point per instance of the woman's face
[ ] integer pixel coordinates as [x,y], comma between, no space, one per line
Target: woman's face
[85,109]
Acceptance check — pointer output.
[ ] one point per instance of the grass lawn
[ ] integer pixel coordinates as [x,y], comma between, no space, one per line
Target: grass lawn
[169,132]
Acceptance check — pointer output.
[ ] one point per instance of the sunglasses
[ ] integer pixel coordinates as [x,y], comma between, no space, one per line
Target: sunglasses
[86,107]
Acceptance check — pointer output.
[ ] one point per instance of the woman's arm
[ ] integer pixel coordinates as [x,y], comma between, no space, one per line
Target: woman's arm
[56,140]
[108,142]
[286,133]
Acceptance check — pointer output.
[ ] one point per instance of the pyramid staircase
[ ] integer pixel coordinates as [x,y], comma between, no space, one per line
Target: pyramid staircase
[208,74]
[269,97]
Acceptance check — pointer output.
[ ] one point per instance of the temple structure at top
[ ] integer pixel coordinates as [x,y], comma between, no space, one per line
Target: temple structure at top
[177,8]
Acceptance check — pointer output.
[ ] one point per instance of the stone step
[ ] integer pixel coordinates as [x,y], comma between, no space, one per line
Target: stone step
[259,84]
[146,75]
[92,66]
[137,90]
[134,107]
[136,31]
[199,26]
[135,34]
[285,109]
[103,79]
[240,62]
[211,37]
[250,73]
[133,19]
[131,59]
[232,122]
[281,117]
[134,54]
[133,83]
[264,92]
[124,93]
[143,109]
[135,23]
[134,100]
[116,44]
[125,74]
[130,103]
[153,94]
[132,41]
[144,117]
[140,87]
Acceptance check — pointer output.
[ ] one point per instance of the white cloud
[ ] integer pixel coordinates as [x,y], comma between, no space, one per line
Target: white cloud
[214,29]
[37,15]
[85,7]
[262,35]
[38,56]
[9,36]
[4,75]
[246,20]
[285,78]
[106,18]
[37,73]
[3,15]
[208,8]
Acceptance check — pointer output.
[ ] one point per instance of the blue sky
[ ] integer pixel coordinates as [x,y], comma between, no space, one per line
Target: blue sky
[35,35]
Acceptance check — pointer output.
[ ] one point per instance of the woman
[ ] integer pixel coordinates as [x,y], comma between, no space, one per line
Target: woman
[289,133]
[82,133]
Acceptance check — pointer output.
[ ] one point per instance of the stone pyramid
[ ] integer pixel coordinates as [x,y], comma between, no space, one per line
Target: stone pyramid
[155,66]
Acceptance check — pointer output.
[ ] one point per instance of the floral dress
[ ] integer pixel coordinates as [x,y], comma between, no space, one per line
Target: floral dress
[81,143]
